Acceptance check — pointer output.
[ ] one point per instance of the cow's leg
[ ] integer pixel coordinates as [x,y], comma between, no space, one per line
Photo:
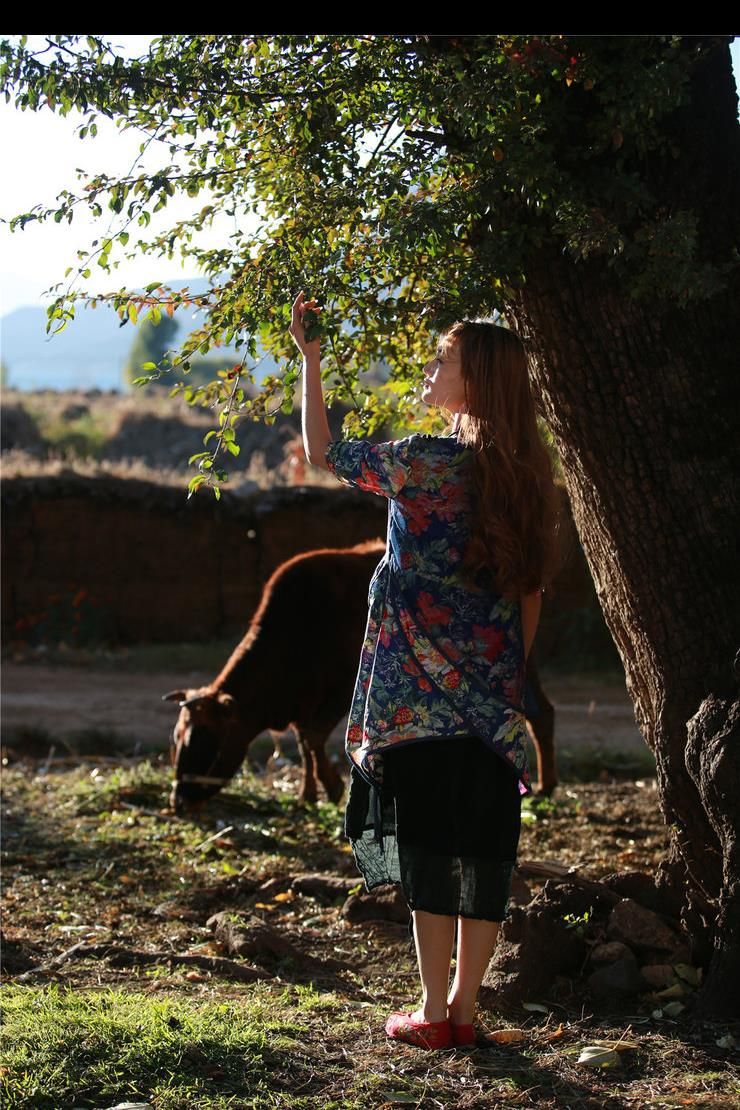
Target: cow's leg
[326,769]
[540,714]
[307,792]
[313,742]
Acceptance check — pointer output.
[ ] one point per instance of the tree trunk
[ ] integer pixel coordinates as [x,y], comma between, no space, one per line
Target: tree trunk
[642,401]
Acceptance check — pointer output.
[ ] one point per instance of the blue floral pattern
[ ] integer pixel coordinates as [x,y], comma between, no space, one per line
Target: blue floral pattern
[439,657]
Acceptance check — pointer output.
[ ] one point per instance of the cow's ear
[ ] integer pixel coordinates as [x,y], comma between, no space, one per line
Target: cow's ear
[174,695]
[226,700]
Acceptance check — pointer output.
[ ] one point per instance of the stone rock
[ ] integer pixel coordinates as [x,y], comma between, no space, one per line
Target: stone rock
[621,978]
[610,952]
[535,946]
[325,888]
[659,976]
[521,891]
[640,927]
[391,906]
[248,936]
[680,953]
[641,887]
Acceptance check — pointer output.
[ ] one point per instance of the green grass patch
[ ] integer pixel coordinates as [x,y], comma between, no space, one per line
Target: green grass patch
[103,789]
[68,1048]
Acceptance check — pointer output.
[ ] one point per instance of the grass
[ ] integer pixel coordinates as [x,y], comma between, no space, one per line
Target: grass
[93,856]
[282,1046]
[74,1049]
[78,441]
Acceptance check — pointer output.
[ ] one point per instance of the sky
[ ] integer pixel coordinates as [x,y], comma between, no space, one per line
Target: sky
[42,153]
[46,153]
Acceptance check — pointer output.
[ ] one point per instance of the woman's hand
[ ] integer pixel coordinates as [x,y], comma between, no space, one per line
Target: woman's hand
[300,307]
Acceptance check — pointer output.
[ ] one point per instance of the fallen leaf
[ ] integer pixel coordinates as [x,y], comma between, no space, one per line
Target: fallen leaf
[505,1036]
[593,1056]
[674,991]
[673,1008]
[688,973]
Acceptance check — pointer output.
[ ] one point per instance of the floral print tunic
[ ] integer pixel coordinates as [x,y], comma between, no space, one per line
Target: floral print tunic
[439,658]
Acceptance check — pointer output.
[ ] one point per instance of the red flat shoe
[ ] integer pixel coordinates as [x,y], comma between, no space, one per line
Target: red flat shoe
[425,1034]
[463,1035]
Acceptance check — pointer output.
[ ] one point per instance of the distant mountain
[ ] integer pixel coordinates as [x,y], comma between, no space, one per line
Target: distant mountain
[91,351]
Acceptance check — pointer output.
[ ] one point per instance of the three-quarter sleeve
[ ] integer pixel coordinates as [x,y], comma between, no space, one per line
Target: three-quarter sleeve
[381,468]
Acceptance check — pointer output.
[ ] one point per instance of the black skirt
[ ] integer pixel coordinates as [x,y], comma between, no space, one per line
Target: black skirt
[445,826]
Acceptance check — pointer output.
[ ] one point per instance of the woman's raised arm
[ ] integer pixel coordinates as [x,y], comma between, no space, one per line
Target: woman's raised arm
[316,433]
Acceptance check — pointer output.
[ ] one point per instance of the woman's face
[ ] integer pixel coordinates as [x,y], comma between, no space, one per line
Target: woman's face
[443,381]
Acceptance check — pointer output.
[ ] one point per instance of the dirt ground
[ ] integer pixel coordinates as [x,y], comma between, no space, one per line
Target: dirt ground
[110,896]
[593,717]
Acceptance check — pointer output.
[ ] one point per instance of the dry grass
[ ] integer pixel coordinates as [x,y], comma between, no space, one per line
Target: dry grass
[77,427]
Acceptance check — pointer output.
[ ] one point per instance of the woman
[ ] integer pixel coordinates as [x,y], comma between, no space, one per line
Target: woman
[453,609]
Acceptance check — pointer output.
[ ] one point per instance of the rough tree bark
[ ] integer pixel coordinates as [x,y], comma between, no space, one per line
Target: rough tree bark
[642,400]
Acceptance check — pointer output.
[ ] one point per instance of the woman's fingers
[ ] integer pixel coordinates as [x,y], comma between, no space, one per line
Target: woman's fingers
[300,307]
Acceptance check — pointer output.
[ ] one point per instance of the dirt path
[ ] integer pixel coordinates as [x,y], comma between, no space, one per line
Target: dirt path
[63,700]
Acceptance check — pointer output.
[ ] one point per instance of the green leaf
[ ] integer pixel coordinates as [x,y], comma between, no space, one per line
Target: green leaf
[195,483]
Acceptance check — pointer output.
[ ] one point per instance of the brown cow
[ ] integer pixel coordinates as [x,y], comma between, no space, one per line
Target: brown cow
[297,665]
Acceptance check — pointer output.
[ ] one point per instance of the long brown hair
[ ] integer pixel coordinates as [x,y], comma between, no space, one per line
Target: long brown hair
[517,507]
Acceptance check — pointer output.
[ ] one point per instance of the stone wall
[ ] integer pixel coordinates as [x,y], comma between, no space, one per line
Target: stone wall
[131,561]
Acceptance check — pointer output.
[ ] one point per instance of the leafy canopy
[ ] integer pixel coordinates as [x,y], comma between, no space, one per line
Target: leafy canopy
[404,180]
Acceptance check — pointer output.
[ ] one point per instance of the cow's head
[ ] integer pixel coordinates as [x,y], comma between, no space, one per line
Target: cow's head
[207,745]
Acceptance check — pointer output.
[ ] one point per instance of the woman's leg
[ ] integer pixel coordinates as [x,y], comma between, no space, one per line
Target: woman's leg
[476,940]
[434,934]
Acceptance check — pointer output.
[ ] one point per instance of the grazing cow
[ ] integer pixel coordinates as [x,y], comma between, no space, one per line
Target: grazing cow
[297,665]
